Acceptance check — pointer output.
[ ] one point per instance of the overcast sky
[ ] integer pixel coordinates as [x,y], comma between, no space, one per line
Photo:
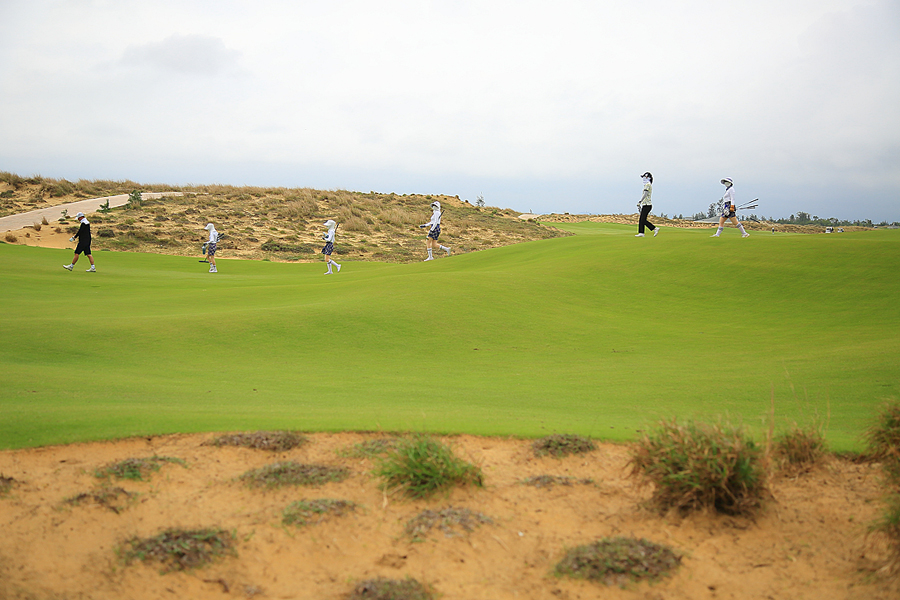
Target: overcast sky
[550,106]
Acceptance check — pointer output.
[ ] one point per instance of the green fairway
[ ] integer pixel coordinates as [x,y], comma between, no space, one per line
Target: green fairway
[598,334]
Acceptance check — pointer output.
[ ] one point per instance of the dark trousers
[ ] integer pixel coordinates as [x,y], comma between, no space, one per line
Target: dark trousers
[645,210]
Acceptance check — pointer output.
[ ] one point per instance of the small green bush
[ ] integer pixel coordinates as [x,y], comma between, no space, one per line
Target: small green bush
[559,445]
[618,561]
[422,466]
[697,466]
[369,448]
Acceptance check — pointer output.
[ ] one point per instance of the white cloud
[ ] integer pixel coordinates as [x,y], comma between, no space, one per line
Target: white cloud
[576,95]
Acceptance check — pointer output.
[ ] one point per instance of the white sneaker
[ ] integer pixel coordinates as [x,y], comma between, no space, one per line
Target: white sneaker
[639,235]
[213,270]
[91,270]
[714,235]
[67,267]
[447,250]
[745,235]
[655,231]
[339,267]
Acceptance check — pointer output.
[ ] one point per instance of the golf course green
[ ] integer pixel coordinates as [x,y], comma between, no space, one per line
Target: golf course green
[598,334]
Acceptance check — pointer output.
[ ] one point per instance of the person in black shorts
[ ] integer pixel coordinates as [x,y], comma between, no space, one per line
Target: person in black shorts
[84,244]
[434,231]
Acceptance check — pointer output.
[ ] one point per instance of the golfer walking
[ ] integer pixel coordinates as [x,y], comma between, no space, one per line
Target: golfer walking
[434,230]
[211,247]
[84,243]
[645,205]
[328,236]
[729,210]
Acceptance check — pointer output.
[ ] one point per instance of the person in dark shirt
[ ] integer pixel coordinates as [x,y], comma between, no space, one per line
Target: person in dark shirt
[84,244]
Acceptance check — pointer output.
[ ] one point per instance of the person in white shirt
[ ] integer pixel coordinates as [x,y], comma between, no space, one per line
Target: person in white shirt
[729,210]
[328,236]
[645,205]
[434,230]
[211,247]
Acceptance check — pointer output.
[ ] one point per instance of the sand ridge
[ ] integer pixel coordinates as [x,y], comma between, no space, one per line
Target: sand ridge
[810,542]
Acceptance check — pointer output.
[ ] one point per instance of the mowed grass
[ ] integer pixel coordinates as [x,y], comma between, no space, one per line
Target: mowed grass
[600,334]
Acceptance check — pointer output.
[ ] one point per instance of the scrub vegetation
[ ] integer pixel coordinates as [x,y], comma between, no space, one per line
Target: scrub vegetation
[273,441]
[619,561]
[420,466]
[293,473]
[179,549]
[136,468]
[277,224]
[699,466]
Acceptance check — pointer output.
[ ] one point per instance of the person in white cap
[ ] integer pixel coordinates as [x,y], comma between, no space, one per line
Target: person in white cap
[84,243]
[328,236]
[645,205]
[434,230]
[729,210]
[211,247]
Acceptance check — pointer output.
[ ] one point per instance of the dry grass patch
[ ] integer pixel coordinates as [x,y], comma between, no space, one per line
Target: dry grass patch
[540,481]
[383,588]
[136,468]
[619,561]
[273,441]
[559,445]
[179,549]
[293,473]
[446,520]
[370,448]
[799,448]
[306,512]
[115,498]
[6,484]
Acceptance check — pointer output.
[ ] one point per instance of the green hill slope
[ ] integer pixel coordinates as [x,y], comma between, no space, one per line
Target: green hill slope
[598,334]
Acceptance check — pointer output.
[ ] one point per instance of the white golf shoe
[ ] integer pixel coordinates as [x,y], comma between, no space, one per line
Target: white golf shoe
[639,235]
[447,250]
[93,269]
[745,235]
[655,231]
[339,267]
[67,267]
[429,258]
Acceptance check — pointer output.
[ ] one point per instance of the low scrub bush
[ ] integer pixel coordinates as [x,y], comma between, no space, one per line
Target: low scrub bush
[697,466]
[560,445]
[422,466]
[10,238]
[619,561]
[304,512]
[179,549]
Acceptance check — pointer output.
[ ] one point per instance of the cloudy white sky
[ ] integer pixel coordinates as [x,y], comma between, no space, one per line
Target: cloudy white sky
[544,106]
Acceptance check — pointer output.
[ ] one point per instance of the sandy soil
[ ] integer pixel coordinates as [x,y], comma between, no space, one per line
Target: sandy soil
[809,543]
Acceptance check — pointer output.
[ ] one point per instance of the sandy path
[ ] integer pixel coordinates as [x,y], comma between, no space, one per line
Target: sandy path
[52,213]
